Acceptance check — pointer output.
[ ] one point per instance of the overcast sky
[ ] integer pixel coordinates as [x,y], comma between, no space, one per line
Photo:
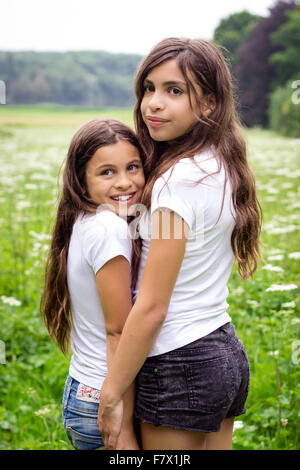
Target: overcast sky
[130,26]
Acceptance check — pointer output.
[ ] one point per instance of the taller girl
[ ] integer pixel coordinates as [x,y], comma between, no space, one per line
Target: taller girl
[196,378]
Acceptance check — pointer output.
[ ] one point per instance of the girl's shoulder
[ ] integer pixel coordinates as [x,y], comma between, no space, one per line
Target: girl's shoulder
[104,222]
[192,168]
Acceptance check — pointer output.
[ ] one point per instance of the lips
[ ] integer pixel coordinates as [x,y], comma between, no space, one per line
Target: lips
[156,121]
[123,197]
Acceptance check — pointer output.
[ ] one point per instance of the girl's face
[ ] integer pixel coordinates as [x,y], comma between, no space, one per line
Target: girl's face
[115,176]
[165,106]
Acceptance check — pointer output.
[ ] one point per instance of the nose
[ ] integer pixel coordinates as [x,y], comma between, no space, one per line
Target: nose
[156,101]
[123,181]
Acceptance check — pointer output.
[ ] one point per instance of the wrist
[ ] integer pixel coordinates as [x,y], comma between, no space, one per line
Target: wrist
[109,395]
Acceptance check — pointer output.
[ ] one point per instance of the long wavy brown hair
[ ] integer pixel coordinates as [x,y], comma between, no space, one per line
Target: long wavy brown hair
[55,301]
[202,63]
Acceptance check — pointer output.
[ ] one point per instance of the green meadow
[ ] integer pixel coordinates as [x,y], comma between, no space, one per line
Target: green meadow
[265,310]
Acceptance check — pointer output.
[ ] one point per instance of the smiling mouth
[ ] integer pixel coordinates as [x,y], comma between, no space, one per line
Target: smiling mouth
[123,198]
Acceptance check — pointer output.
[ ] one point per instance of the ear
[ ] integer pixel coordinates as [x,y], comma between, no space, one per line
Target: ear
[209,104]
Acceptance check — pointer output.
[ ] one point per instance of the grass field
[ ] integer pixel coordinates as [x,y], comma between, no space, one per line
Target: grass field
[265,310]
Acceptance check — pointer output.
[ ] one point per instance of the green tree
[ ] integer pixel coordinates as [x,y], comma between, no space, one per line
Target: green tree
[89,78]
[255,74]
[287,37]
[284,109]
[233,31]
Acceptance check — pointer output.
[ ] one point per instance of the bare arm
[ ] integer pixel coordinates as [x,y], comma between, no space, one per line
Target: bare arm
[113,283]
[144,321]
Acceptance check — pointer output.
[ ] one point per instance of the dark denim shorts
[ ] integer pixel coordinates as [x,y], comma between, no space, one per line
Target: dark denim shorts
[80,419]
[196,386]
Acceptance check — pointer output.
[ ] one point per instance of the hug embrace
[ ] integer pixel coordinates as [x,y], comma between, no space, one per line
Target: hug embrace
[148,226]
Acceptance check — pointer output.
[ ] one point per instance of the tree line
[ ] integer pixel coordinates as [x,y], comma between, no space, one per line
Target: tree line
[262,52]
[84,78]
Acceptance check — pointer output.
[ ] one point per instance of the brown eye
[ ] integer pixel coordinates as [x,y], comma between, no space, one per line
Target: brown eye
[175,91]
[106,172]
[148,88]
[133,167]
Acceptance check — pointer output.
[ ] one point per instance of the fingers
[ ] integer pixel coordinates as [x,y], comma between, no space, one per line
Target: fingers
[109,435]
[112,442]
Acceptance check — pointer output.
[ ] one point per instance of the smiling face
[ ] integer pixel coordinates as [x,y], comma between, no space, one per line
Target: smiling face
[165,106]
[115,176]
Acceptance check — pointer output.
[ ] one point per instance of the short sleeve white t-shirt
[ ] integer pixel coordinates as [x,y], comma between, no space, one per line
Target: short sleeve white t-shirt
[198,303]
[95,239]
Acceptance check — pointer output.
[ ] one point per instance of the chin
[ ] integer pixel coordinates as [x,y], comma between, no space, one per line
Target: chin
[158,138]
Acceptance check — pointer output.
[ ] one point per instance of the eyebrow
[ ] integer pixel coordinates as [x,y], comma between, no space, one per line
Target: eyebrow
[171,82]
[136,160]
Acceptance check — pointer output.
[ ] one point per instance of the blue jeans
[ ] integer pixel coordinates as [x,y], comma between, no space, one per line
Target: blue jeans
[80,419]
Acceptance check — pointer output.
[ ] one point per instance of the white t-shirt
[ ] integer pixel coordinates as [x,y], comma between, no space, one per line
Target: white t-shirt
[95,240]
[198,302]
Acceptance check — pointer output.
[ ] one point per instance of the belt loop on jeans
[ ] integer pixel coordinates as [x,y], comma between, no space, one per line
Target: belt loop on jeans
[68,385]
[232,336]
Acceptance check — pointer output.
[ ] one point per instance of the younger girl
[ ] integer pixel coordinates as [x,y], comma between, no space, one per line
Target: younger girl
[88,271]
[196,377]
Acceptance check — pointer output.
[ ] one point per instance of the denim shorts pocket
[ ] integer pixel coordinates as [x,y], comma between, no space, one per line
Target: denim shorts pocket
[148,387]
[210,383]
[83,433]
[80,407]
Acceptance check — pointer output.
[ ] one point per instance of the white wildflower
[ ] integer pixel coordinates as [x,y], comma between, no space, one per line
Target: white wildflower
[286,312]
[295,321]
[270,267]
[272,190]
[238,291]
[289,304]
[276,251]
[30,392]
[273,353]
[254,303]
[10,301]
[37,176]
[238,425]
[23,205]
[31,186]
[294,174]
[287,229]
[295,255]
[281,287]
[275,258]
[48,409]
[40,236]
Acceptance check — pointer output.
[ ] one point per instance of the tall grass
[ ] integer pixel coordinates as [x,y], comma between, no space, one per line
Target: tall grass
[265,310]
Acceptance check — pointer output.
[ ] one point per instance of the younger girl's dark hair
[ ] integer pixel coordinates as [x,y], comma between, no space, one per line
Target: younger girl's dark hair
[202,64]
[55,300]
